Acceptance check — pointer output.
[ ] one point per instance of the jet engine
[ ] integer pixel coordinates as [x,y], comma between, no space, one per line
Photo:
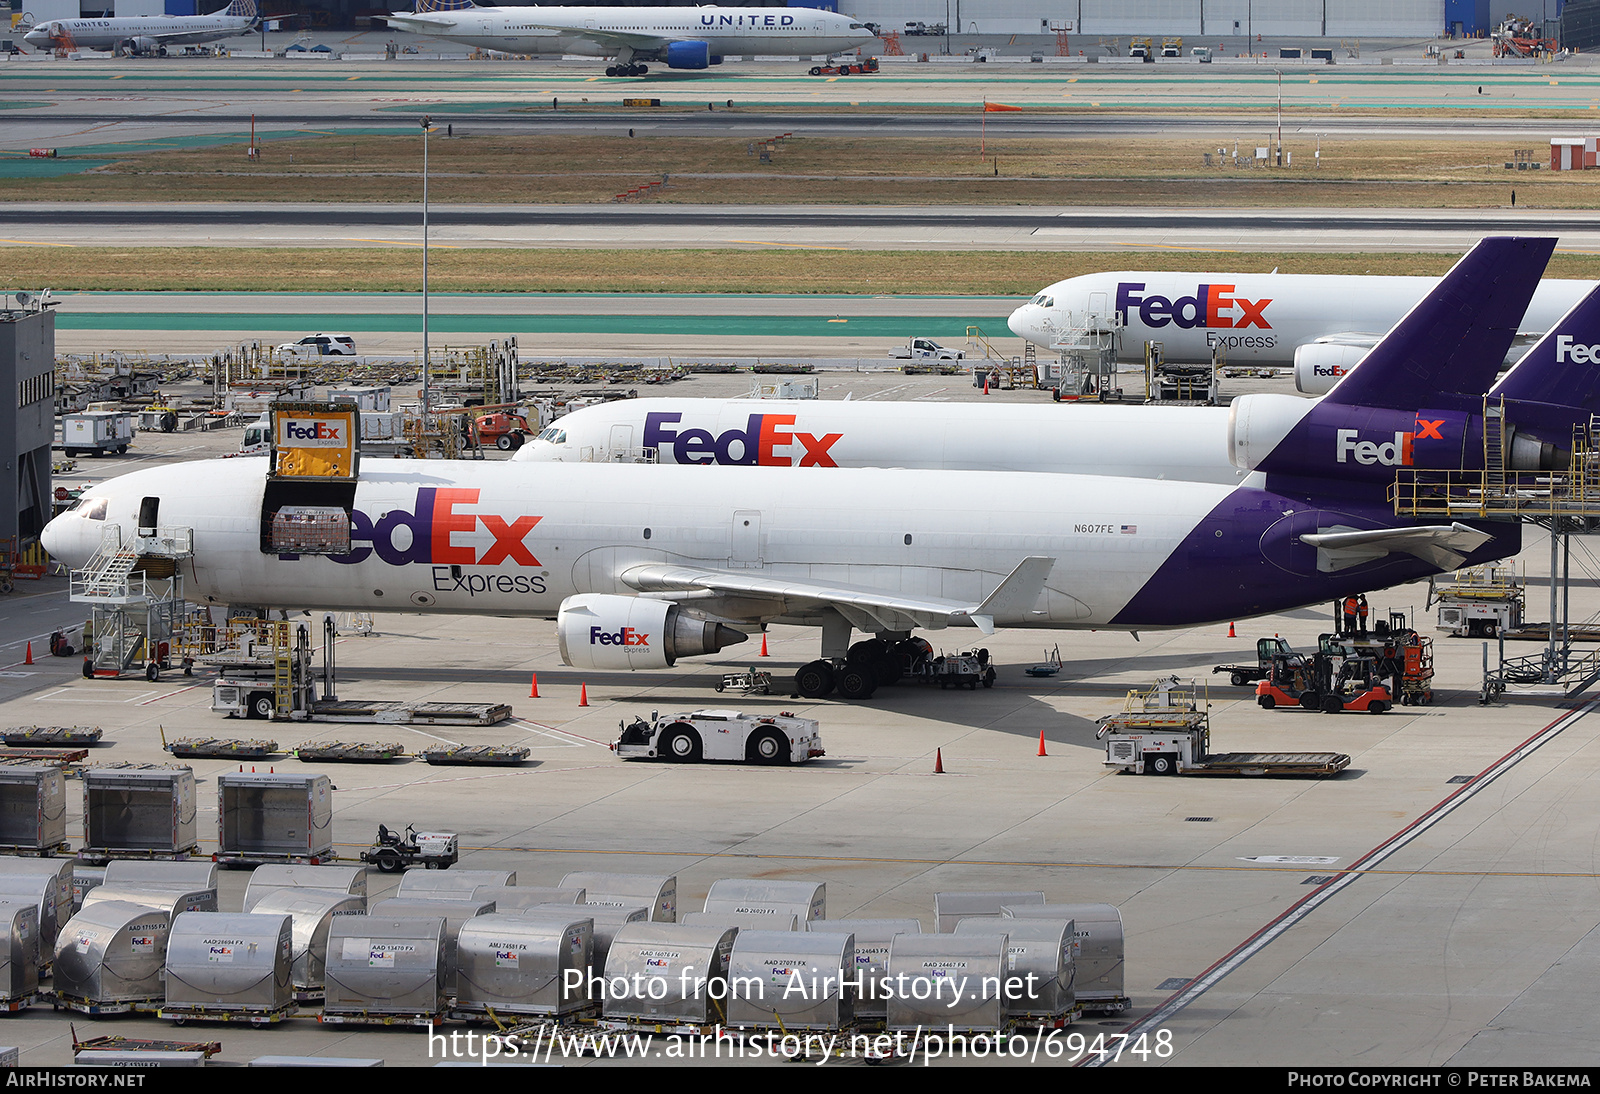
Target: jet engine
[688,55]
[1319,365]
[1258,423]
[599,631]
[141,46]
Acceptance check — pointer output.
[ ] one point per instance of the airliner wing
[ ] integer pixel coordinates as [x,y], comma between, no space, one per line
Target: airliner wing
[1443,545]
[867,609]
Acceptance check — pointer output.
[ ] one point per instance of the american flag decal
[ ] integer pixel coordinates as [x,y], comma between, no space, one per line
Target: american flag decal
[1130,529]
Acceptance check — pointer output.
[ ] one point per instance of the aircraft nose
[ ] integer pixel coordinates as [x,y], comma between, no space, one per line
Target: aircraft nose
[61,540]
[1019,322]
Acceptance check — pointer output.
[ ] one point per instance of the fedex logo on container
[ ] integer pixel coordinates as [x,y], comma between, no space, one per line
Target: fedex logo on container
[754,445]
[1211,306]
[313,432]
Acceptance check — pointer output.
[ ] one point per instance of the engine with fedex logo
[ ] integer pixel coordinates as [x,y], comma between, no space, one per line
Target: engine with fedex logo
[602,631]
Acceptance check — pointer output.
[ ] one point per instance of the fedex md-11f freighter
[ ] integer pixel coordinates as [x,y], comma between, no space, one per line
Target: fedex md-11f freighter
[686,37]
[642,565]
[1321,325]
[144,34]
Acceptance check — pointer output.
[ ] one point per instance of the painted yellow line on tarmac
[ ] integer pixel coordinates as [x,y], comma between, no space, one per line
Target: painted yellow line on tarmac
[803,246]
[35,243]
[403,243]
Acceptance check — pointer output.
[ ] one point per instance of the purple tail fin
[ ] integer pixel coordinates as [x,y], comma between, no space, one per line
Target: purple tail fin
[424,6]
[1455,339]
[1556,384]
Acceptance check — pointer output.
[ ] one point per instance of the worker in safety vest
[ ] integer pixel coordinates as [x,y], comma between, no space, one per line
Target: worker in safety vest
[1351,605]
[1361,614]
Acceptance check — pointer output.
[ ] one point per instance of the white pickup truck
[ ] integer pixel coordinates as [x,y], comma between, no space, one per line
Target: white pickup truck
[926,349]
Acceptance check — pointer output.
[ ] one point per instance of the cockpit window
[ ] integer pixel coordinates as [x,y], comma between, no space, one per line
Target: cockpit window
[94,508]
[554,435]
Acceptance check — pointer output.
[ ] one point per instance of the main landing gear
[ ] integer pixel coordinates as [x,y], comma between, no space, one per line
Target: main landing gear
[628,70]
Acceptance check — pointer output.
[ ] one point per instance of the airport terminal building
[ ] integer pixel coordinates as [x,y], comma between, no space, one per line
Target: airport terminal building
[1200,18]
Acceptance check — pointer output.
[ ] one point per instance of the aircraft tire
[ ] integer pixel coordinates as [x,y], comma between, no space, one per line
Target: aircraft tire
[814,680]
[856,682]
[611,70]
[644,70]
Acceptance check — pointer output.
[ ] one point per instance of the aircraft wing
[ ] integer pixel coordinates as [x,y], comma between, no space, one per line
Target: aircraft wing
[1348,338]
[1443,545]
[866,609]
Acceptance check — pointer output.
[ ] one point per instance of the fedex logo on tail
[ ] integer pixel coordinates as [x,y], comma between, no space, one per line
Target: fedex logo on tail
[1211,306]
[755,445]
[1569,351]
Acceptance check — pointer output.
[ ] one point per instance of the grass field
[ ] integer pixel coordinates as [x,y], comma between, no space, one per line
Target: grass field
[891,171]
[977,273]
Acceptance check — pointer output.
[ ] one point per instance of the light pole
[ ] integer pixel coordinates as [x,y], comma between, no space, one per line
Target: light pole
[426,375]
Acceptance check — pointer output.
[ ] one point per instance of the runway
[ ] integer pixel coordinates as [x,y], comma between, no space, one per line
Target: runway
[939,228]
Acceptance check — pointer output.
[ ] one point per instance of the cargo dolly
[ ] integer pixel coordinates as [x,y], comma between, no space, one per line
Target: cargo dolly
[135,1044]
[1165,731]
[500,755]
[349,752]
[52,736]
[219,748]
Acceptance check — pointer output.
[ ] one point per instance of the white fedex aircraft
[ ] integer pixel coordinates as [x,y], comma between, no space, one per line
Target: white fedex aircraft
[686,37]
[145,34]
[1321,324]
[642,565]
[1149,442]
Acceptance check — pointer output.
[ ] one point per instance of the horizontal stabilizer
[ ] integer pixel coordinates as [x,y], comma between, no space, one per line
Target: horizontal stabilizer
[1445,546]
[1456,337]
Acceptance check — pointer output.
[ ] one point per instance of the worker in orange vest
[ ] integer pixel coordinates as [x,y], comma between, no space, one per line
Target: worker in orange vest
[1350,607]
[1361,614]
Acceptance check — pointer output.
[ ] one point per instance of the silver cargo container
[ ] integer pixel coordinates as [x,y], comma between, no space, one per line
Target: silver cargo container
[686,968]
[110,957]
[744,921]
[173,901]
[511,897]
[951,908]
[450,884]
[872,955]
[39,891]
[607,920]
[347,880]
[384,968]
[188,873]
[85,879]
[33,808]
[274,815]
[1100,952]
[455,913]
[659,893]
[753,896]
[60,871]
[518,964]
[791,980]
[19,959]
[133,810]
[228,964]
[311,913]
[1039,964]
[942,981]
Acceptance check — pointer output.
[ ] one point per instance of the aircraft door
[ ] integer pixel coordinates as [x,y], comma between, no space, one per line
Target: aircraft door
[149,511]
[745,546]
[621,441]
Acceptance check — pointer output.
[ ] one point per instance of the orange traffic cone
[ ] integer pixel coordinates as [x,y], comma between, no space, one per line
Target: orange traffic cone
[763,643]
[583,695]
[938,761]
[1042,752]
[986,383]
[1230,631]
[533,688]
[29,659]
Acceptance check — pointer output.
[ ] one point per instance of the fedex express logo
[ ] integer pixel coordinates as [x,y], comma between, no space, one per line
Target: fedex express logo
[1211,306]
[426,534]
[627,636]
[1348,445]
[754,445]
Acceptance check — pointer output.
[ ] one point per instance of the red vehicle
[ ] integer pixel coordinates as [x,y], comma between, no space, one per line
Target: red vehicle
[505,430]
[849,68]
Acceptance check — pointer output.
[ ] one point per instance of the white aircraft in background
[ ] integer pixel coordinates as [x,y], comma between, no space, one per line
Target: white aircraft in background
[145,34]
[1321,324]
[642,565]
[686,37]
